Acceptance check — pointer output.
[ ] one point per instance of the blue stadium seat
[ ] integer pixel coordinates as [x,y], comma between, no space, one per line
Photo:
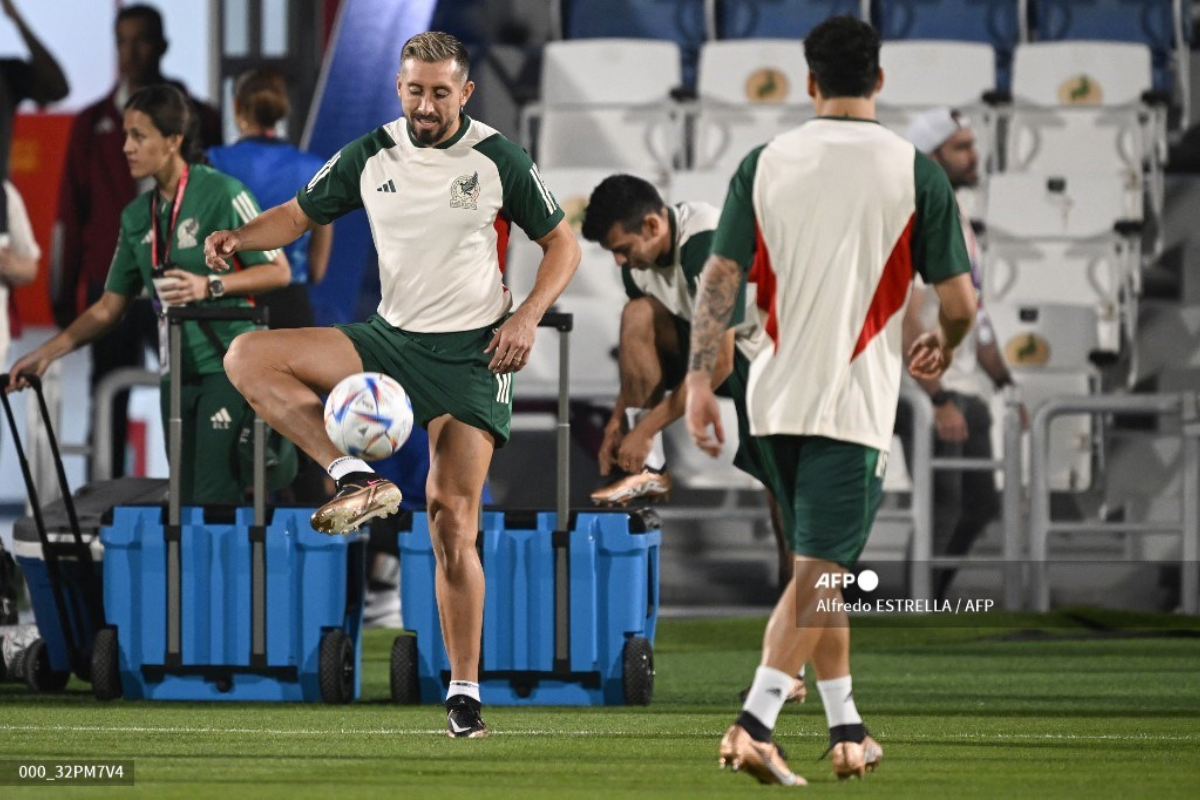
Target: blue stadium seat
[679,21]
[777,19]
[1149,22]
[994,22]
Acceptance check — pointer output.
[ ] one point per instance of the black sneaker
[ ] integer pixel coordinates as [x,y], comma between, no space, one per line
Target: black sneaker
[361,496]
[462,718]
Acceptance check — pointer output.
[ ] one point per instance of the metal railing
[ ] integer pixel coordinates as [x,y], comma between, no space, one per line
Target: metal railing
[115,382]
[922,561]
[1180,406]
[99,449]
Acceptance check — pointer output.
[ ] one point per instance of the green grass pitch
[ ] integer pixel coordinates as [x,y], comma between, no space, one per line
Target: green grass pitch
[995,711]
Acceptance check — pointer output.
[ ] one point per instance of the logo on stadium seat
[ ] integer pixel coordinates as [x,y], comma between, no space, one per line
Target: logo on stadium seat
[464,192]
[767,85]
[1080,90]
[1027,350]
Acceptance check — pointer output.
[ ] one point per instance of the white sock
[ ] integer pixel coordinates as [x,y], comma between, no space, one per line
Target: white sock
[657,459]
[838,697]
[767,695]
[341,467]
[471,690]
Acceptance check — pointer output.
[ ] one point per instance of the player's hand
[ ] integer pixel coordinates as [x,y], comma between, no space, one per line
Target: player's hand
[29,364]
[949,423]
[219,246]
[611,445]
[703,413]
[928,357]
[513,342]
[185,287]
[635,449]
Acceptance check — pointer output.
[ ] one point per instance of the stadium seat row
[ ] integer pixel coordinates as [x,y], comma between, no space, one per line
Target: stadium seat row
[1164,26]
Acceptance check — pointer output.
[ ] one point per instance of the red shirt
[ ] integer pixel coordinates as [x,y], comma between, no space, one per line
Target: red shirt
[96,187]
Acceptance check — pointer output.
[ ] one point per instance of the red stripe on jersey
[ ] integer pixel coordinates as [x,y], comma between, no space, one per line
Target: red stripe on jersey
[763,275]
[502,226]
[892,290]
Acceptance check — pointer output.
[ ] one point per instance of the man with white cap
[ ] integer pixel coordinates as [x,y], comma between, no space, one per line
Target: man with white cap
[964,501]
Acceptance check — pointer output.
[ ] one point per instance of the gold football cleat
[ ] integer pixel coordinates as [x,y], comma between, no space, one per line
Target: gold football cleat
[855,759]
[763,761]
[356,503]
[647,484]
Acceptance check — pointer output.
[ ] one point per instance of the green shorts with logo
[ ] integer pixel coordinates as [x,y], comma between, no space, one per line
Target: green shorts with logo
[443,373]
[829,491]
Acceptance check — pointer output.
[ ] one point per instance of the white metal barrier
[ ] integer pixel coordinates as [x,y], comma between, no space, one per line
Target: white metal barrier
[1181,406]
[922,561]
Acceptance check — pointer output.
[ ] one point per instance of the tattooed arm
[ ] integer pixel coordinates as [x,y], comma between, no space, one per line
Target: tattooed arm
[715,299]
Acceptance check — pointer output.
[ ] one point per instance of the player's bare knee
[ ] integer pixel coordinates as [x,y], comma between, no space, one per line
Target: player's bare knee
[637,318]
[241,357]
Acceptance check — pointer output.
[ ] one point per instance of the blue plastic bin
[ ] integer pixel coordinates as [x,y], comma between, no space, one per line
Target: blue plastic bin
[540,648]
[314,585]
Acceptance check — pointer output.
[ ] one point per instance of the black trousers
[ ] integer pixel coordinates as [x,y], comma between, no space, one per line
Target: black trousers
[964,501]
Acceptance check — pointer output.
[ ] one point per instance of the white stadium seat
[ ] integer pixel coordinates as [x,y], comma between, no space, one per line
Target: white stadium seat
[605,103]
[595,296]
[749,90]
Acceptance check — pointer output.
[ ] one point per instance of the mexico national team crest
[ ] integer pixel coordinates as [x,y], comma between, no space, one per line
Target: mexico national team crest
[188,230]
[464,192]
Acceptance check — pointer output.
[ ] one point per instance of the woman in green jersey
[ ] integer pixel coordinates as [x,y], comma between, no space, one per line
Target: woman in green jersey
[160,249]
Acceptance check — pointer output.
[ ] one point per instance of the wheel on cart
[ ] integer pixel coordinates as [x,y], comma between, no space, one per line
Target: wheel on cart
[336,667]
[638,666]
[405,688]
[106,665]
[39,676]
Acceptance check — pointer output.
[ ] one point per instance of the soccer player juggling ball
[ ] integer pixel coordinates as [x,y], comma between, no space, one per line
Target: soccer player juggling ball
[439,189]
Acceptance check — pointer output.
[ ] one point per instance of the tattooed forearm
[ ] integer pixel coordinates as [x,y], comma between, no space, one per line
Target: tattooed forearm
[718,291]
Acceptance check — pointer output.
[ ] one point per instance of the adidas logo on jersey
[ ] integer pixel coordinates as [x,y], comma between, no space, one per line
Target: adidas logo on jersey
[390,186]
[221,420]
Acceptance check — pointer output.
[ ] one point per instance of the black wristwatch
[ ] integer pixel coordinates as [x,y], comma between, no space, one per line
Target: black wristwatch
[216,289]
[940,397]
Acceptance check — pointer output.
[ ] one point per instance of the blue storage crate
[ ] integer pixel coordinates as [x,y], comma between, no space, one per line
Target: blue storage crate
[529,655]
[314,584]
[83,617]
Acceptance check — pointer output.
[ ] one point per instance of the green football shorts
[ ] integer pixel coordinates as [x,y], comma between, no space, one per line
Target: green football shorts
[443,373]
[829,491]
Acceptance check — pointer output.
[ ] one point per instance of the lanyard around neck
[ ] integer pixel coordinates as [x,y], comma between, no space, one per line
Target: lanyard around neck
[156,258]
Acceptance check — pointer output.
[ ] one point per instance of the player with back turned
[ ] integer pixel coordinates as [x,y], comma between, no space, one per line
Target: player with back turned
[831,220]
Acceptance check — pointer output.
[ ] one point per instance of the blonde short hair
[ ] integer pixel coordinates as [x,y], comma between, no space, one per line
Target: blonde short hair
[435,46]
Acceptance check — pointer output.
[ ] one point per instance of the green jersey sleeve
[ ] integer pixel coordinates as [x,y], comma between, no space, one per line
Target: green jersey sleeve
[938,249]
[736,235]
[632,290]
[242,208]
[527,201]
[124,277]
[693,255]
[336,188]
